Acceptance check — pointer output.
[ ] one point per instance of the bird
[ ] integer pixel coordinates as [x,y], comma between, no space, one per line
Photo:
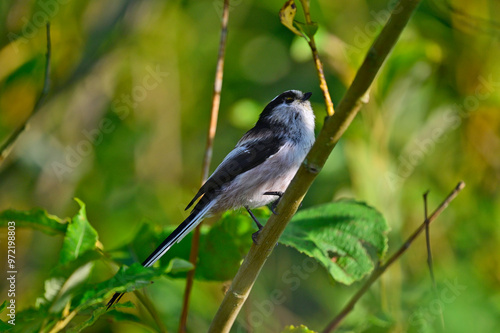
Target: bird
[256,172]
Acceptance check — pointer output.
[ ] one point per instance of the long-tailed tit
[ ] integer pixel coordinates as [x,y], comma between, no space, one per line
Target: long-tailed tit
[257,171]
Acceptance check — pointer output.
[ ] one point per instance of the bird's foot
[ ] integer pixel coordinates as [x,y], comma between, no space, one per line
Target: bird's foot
[255,237]
[273,206]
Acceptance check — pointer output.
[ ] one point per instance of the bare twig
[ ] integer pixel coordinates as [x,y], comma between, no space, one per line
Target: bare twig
[381,269]
[61,324]
[428,241]
[317,62]
[429,256]
[8,144]
[330,134]
[206,159]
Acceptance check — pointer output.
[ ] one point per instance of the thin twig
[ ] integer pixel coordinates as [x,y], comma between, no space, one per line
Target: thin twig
[429,257]
[381,269]
[219,72]
[317,62]
[6,147]
[428,241]
[60,325]
[328,137]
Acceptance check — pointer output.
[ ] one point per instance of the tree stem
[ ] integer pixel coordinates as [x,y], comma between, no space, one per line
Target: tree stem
[219,72]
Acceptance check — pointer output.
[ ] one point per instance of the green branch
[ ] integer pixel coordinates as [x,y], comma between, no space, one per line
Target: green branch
[195,243]
[330,134]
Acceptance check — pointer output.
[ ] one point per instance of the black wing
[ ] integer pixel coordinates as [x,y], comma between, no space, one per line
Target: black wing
[245,156]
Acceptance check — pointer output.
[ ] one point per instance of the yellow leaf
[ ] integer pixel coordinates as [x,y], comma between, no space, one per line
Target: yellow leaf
[287,14]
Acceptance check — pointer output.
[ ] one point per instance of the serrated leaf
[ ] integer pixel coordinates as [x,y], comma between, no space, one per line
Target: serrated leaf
[299,329]
[124,316]
[116,315]
[340,236]
[80,236]
[127,279]
[35,218]
[287,16]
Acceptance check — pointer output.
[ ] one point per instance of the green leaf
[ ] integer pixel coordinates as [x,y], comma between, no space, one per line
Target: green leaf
[52,287]
[116,315]
[300,329]
[29,320]
[178,265]
[127,279]
[225,245]
[144,243]
[66,269]
[222,247]
[75,265]
[70,286]
[341,236]
[36,218]
[65,279]
[3,325]
[287,15]
[309,29]
[80,236]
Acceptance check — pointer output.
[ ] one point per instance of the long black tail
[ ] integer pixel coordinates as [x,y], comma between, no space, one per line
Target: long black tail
[176,236]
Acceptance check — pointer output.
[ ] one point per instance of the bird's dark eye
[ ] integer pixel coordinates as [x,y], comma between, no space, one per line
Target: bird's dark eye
[288,100]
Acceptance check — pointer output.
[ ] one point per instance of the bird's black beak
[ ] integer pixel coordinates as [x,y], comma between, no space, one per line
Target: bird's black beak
[306,96]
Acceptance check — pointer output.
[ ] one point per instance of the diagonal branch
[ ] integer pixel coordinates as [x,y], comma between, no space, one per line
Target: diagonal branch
[219,72]
[6,147]
[381,269]
[330,134]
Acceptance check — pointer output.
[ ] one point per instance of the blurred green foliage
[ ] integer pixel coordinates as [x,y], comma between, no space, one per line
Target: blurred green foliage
[127,116]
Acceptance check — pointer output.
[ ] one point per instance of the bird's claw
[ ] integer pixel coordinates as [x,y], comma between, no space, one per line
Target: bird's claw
[255,237]
[275,203]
